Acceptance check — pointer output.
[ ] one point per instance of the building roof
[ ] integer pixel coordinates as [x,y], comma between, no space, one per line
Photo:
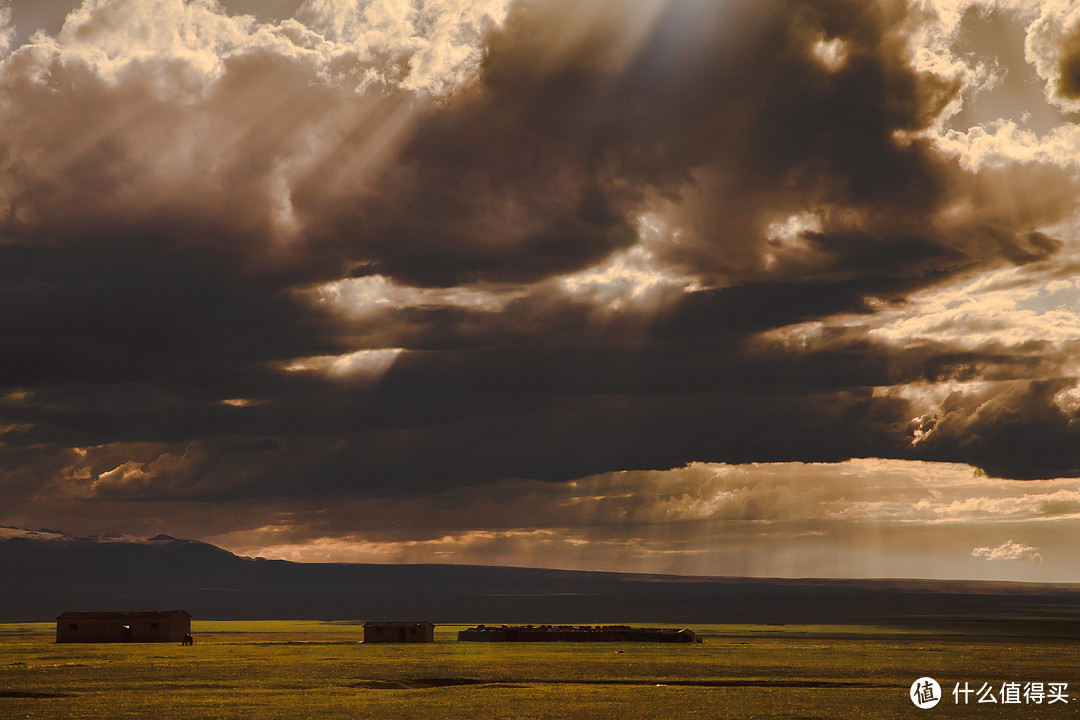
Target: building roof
[396,623]
[127,614]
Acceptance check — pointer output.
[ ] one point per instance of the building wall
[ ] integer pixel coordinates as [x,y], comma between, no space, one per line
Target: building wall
[406,632]
[122,627]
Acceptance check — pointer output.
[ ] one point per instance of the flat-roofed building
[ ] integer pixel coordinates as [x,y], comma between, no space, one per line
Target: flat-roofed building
[399,632]
[127,626]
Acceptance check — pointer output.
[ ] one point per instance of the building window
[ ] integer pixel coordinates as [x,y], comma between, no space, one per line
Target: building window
[153,626]
[73,626]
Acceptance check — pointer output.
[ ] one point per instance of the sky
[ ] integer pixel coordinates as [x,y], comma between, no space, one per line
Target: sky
[775,288]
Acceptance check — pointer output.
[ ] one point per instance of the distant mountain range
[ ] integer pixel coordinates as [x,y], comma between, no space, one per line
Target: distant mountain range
[46,572]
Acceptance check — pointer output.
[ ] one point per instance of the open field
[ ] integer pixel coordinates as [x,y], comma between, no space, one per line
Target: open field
[320,670]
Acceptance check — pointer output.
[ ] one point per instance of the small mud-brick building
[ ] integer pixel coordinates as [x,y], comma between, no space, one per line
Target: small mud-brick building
[131,626]
[399,632]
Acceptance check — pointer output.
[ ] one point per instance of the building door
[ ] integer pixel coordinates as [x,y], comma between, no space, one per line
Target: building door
[401,634]
[126,633]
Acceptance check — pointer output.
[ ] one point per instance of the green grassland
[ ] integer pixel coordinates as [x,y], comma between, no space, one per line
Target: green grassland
[321,670]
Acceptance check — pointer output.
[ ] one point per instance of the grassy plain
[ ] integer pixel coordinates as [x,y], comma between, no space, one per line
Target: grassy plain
[320,670]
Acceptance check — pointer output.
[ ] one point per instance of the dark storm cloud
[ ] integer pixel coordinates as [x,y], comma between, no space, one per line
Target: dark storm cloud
[162,236]
[121,268]
[720,110]
[1015,431]
[1069,68]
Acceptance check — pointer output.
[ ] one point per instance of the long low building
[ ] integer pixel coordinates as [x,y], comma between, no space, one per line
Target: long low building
[399,632]
[128,626]
[574,633]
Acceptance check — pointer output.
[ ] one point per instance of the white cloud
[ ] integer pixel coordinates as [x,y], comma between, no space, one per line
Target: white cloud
[439,39]
[1047,24]
[127,477]
[243,402]
[1045,45]
[1008,550]
[630,275]
[832,53]
[1006,306]
[455,547]
[373,292]
[426,47]
[1004,142]
[367,364]
[1009,306]
[1063,503]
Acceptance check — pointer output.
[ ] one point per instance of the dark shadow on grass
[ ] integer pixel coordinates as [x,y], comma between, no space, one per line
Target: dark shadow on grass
[424,683]
[22,695]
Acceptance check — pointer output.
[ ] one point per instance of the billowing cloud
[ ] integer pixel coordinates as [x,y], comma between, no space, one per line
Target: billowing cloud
[335,252]
[1008,550]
